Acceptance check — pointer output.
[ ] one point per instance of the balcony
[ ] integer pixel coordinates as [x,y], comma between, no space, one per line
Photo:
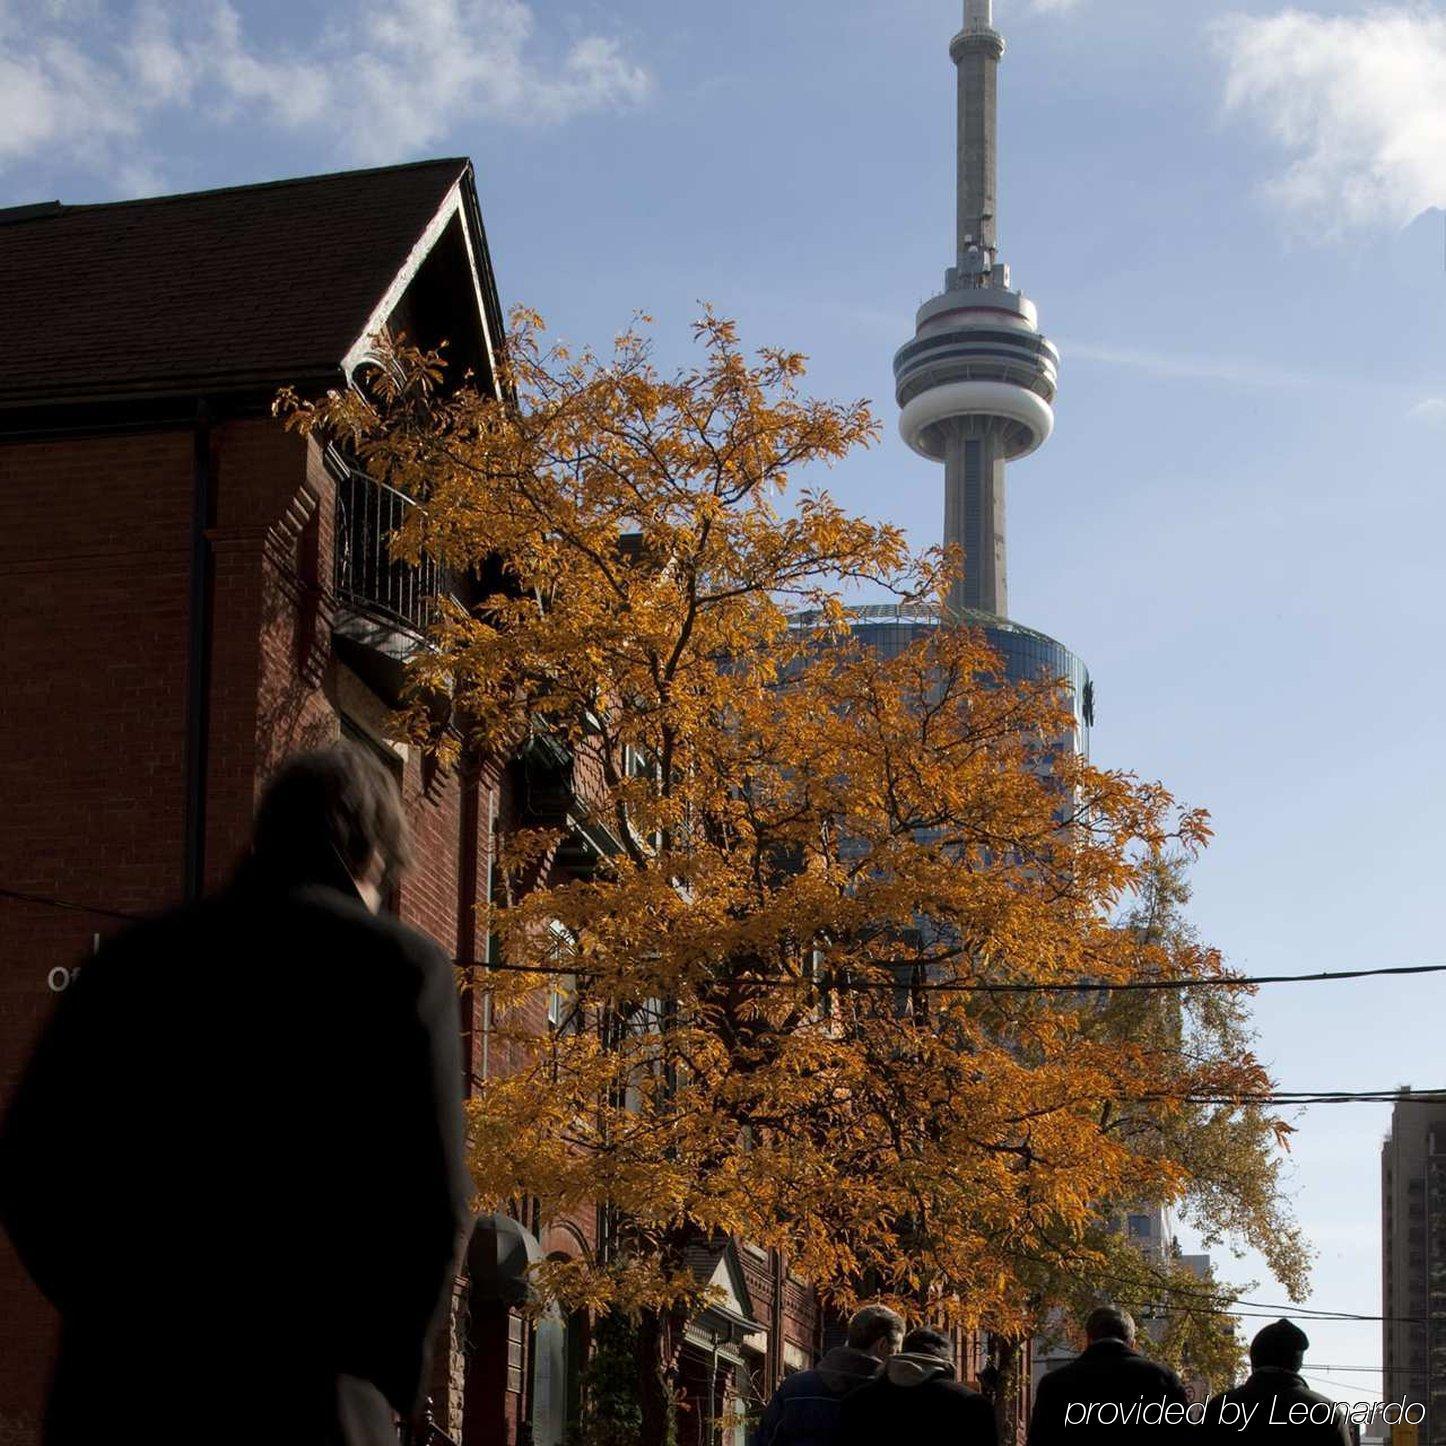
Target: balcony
[383,605]
[554,796]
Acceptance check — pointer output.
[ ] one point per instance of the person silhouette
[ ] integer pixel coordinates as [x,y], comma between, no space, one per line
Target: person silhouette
[1100,1397]
[917,1400]
[805,1408]
[1260,1408]
[234,1162]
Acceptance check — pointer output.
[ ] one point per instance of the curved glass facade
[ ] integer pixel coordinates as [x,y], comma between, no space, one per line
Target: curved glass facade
[1027,655]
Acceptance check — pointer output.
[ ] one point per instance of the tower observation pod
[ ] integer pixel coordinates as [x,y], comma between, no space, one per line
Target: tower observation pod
[977,384]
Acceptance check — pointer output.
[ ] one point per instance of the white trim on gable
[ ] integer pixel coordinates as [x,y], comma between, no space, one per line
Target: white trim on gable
[451,206]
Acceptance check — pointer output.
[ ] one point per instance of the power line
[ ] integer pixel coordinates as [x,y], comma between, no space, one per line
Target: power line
[973,986]
[1258,1309]
[935,986]
[48,902]
[1283,1098]
[1330,1318]
[1162,1305]
[1302,1097]
[1085,986]
[1310,1375]
[1321,1313]
[1170,1288]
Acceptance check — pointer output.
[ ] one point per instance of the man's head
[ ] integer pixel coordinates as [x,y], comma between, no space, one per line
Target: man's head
[1110,1323]
[337,807]
[1282,1344]
[877,1330]
[923,1342]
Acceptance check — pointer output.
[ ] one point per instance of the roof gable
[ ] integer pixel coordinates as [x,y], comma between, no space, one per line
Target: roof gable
[716,1267]
[238,289]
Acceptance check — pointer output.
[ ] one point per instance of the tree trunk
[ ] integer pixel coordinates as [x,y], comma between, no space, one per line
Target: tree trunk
[658,1344]
[1009,1399]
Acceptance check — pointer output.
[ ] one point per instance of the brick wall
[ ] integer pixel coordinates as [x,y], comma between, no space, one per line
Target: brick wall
[94,555]
[270,642]
[95,551]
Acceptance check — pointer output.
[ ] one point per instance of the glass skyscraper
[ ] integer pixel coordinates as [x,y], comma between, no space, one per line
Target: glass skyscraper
[1025,654]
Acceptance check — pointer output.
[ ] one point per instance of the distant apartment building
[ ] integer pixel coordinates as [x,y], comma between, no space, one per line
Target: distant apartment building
[1413,1258]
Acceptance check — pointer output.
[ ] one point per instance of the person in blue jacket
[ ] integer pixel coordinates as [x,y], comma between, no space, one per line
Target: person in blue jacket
[804,1410]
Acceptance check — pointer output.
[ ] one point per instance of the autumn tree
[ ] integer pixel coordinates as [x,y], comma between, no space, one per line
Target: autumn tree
[791,1013]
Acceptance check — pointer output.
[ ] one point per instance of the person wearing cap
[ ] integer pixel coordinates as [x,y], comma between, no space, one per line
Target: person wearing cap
[804,1410]
[1110,1393]
[916,1399]
[1260,1409]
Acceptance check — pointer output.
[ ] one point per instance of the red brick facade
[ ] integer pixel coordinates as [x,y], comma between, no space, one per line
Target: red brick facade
[93,734]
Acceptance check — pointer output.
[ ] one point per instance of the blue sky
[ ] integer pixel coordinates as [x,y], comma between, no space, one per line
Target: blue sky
[1225,213]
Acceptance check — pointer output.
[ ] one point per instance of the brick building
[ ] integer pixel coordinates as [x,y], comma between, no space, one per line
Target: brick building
[194,593]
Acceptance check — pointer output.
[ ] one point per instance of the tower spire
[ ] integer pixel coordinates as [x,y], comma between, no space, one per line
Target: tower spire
[977,51]
[977,383]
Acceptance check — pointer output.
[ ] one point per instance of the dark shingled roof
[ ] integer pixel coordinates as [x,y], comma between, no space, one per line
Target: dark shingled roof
[250,286]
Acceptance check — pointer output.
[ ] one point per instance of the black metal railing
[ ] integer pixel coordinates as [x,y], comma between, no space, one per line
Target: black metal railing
[368,578]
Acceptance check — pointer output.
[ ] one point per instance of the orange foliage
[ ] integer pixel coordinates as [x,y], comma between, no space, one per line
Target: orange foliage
[801,835]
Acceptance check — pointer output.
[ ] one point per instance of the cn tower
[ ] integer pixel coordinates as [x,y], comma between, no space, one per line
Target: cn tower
[977,383]
[977,387]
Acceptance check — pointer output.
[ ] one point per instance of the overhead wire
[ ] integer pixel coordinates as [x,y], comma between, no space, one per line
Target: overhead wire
[937,986]
[1311,1375]
[1168,1289]
[1279,1097]
[1035,986]
[23,897]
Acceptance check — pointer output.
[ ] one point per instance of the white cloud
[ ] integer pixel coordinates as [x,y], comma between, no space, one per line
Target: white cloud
[57,97]
[1053,7]
[1357,103]
[1431,410]
[382,82]
[420,61]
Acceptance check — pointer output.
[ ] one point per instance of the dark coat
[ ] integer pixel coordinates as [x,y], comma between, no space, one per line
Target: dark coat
[1106,1372]
[1244,1415]
[235,1166]
[804,1410]
[914,1404]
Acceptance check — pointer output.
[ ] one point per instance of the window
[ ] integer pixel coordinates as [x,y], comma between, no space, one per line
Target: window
[1139,1227]
[563,1014]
